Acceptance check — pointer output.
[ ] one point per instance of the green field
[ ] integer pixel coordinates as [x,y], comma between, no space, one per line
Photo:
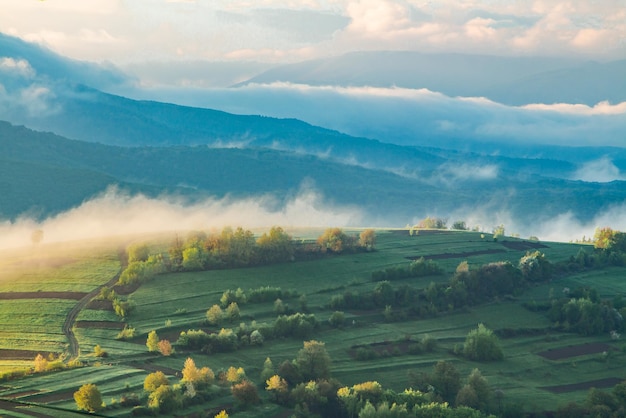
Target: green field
[174,302]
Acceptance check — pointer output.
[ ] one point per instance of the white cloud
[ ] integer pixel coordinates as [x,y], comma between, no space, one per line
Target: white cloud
[144,29]
[602,171]
[20,67]
[602,108]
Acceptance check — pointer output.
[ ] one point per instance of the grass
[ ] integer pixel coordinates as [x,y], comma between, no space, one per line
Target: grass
[158,306]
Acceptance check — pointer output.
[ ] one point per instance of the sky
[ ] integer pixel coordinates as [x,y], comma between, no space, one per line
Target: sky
[280,31]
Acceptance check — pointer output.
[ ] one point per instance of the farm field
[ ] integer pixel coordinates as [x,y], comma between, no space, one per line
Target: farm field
[542,368]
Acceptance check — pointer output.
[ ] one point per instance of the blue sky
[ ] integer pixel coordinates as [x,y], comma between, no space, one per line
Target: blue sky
[279,31]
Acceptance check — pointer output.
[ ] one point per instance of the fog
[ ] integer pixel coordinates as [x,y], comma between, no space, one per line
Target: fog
[114,213]
[414,116]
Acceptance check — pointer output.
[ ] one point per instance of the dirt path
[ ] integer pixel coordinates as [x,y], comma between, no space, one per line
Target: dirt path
[74,348]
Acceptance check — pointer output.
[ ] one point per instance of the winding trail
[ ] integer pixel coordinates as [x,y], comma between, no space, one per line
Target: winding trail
[70,319]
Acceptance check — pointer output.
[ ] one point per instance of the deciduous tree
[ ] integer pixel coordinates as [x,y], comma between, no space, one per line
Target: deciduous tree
[313,361]
[88,398]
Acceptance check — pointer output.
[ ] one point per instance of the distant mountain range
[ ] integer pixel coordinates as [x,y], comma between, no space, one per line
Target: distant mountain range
[163,149]
[507,80]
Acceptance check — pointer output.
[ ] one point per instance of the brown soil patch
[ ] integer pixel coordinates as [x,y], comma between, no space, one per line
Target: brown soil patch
[100,305]
[154,368]
[53,397]
[383,348]
[523,245]
[575,351]
[7,354]
[42,295]
[609,382]
[20,394]
[100,324]
[16,407]
[457,255]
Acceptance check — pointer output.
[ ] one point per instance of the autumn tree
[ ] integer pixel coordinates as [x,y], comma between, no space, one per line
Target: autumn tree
[278,387]
[155,380]
[41,363]
[275,246]
[245,392]
[367,239]
[152,342]
[88,398]
[313,361]
[165,347]
[335,240]
[234,375]
[190,371]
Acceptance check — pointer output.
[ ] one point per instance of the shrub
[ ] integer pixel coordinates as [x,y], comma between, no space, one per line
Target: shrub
[482,344]
[126,334]
[337,319]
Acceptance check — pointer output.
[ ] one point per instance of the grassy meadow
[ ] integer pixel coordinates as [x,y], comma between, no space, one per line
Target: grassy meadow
[175,302]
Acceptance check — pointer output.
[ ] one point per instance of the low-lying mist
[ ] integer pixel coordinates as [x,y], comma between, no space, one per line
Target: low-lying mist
[115,213]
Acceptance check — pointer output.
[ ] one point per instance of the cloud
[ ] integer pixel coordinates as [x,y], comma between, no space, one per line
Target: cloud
[20,67]
[417,116]
[602,171]
[602,108]
[115,213]
[140,30]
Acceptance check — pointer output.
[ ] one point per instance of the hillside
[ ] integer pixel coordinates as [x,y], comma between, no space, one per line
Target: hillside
[51,174]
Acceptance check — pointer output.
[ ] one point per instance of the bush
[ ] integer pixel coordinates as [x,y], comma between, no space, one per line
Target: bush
[337,319]
[481,344]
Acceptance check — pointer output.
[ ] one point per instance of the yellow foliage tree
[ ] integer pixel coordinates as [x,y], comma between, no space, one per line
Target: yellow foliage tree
[88,398]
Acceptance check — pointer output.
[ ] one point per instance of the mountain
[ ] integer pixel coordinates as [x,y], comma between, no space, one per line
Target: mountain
[507,80]
[45,64]
[45,174]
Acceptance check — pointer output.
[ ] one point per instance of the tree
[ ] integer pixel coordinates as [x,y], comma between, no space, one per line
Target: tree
[194,258]
[245,392]
[164,399]
[215,315]
[232,312]
[446,380]
[268,369]
[278,387]
[165,347]
[313,361]
[275,246]
[190,372]
[88,398]
[41,363]
[367,239]
[235,375]
[460,225]
[152,342]
[154,381]
[482,344]
[498,232]
[137,252]
[222,414]
[335,240]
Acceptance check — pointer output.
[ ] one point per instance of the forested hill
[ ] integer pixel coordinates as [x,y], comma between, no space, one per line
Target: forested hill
[43,174]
